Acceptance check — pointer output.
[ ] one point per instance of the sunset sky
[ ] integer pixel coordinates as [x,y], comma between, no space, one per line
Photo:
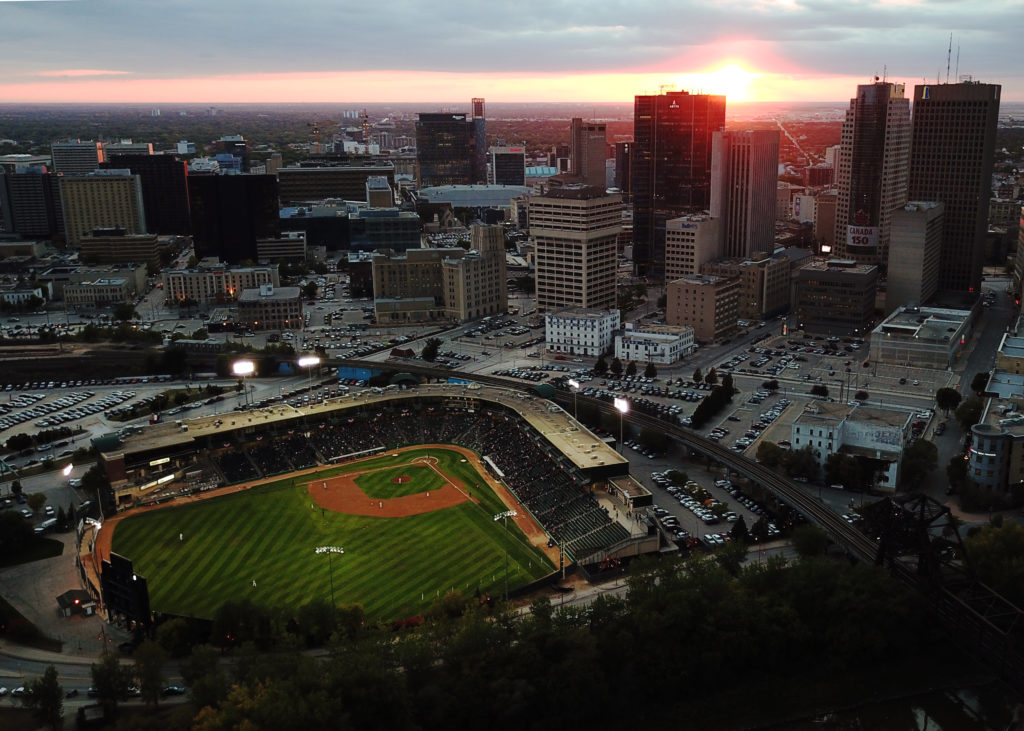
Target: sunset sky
[223,51]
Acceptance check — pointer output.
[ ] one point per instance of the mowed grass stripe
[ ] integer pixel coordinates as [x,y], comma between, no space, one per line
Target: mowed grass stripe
[269,533]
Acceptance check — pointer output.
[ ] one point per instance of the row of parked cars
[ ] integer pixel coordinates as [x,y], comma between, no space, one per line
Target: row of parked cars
[764,421]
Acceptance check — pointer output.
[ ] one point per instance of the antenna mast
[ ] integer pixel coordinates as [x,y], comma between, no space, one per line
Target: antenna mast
[957,76]
[949,53]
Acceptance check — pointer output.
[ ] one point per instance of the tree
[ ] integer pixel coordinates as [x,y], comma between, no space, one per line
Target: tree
[860,396]
[525,284]
[631,368]
[810,540]
[995,551]
[727,386]
[309,290]
[739,533]
[919,459]
[969,412]
[111,680]
[730,557]
[16,488]
[616,367]
[711,378]
[45,697]
[697,376]
[18,442]
[771,385]
[802,463]
[947,399]
[956,473]
[770,454]
[980,382]
[149,670]
[843,469]
[650,371]
[601,366]
[36,500]
[819,389]
[203,674]
[124,311]
[430,349]
[678,477]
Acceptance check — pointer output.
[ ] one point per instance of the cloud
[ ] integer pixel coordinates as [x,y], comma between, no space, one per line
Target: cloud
[74,73]
[176,39]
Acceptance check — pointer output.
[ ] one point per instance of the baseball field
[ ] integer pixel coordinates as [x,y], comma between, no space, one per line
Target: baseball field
[413,523]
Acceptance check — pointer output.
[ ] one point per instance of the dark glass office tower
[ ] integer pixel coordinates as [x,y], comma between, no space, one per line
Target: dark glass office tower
[164,190]
[670,167]
[951,152]
[229,212]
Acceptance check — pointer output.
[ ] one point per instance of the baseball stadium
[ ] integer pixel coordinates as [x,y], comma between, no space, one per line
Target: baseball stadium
[388,499]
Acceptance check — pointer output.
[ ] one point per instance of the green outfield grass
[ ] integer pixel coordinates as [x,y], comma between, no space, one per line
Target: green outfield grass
[378,484]
[393,567]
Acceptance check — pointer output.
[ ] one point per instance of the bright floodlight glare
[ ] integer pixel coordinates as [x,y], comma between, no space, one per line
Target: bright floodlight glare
[573,383]
[621,405]
[308,361]
[67,469]
[243,367]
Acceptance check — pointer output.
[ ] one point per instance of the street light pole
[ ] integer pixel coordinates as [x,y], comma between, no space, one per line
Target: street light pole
[622,406]
[575,386]
[309,362]
[330,551]
[243,368]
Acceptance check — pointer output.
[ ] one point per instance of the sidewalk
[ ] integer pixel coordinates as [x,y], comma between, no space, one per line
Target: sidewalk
[33,588]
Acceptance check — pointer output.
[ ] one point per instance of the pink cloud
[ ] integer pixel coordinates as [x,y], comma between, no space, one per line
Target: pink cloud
[74,73]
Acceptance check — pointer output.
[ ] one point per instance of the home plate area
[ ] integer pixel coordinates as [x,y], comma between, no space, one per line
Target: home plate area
[343,494]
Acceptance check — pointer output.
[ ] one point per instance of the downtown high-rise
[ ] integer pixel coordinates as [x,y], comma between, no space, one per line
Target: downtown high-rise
[744,169]
[951,159]
[872,173]
[451,149]
[588,151]
[670,167]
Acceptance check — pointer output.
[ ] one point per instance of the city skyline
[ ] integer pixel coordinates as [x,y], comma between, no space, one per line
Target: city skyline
[749,50]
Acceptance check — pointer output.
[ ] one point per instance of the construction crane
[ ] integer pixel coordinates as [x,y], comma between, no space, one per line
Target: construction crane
[317,127]
[364,121]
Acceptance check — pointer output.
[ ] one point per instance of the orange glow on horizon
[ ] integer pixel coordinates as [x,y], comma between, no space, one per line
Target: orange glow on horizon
[734,79]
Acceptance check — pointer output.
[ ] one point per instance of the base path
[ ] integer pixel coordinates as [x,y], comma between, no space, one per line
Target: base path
[342,495]
[533,532]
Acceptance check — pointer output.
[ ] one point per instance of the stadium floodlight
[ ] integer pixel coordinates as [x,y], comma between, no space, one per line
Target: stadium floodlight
[505,516]
[243,368]
[309,362]
[575,386]
[330,551]
[622,406]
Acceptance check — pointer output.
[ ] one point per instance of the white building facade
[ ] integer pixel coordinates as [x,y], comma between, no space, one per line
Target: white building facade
[579,331]
[664,344]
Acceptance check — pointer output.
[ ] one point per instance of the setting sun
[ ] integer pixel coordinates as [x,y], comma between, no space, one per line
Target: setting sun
[732,80]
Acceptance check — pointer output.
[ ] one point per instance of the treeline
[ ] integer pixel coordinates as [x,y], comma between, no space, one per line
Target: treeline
[684,634]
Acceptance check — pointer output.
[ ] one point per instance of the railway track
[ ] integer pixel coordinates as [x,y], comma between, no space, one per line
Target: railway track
[981,622]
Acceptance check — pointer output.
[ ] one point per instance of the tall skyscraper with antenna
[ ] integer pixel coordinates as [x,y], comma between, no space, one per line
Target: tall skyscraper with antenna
[872,173]
[951,160]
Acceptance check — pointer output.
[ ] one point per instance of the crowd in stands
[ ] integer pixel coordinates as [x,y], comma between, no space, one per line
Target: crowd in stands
[543,480]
